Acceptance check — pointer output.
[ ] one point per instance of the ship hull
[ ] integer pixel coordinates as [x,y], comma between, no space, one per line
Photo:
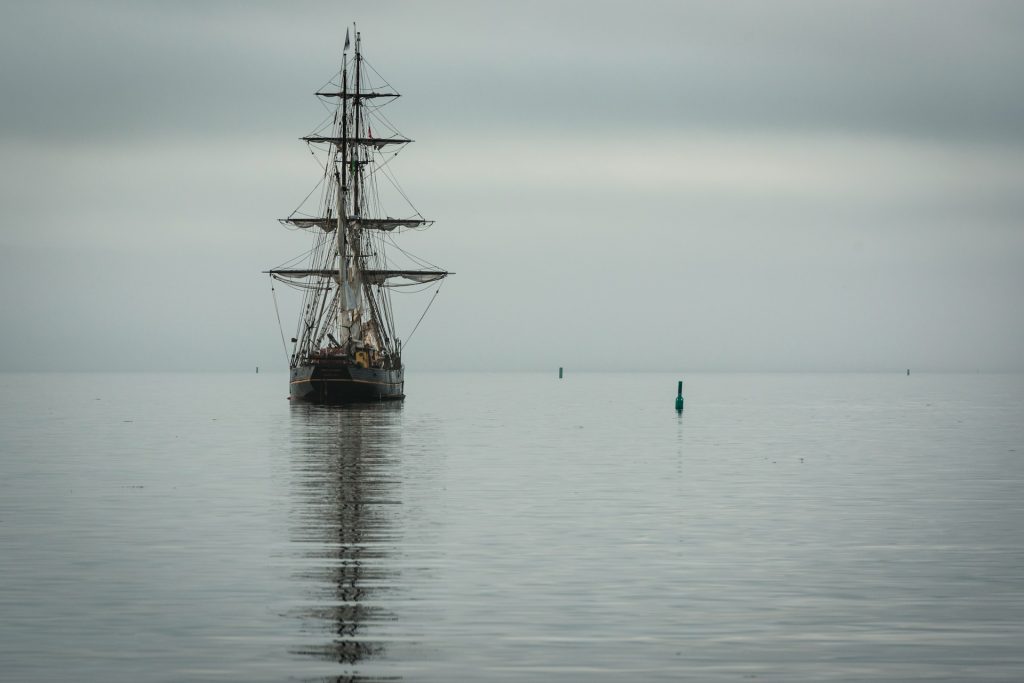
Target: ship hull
[336,384]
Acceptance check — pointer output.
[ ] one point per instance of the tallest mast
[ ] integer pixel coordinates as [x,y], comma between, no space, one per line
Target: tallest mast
[344,112]
[356,102]
[340,178]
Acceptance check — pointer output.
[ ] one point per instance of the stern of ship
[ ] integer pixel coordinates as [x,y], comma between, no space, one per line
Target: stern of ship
[337,383]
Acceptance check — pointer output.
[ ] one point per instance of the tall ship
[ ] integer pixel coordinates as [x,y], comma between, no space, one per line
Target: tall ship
[345,348]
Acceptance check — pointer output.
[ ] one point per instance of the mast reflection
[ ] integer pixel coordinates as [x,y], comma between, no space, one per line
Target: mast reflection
[344,493]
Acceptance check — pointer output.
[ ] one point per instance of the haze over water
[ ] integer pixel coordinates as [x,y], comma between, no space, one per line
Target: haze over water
[513,527]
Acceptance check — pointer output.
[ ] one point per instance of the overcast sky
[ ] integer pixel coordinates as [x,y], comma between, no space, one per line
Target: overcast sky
[678,186]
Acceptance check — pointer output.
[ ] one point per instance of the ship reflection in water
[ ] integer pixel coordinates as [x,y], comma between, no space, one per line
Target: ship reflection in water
[344,500]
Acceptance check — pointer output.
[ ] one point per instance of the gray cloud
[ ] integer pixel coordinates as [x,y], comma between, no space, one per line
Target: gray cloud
[936,69]
[787,185]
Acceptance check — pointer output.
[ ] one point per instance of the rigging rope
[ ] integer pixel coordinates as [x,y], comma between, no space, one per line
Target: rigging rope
[431,303]
[280,327]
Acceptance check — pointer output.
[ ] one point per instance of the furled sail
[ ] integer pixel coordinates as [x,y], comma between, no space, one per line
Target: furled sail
[329,224]
[372,142]
[379,277]
[358,96]
[374,277]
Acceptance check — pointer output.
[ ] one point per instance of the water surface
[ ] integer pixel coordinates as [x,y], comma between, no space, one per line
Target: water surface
[513,527]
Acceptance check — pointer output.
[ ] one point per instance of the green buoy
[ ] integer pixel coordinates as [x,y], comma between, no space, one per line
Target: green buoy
[679,396]
[559,373]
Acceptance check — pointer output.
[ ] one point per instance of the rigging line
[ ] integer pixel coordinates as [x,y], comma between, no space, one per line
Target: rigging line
[405,344]
[329,81]
[411,288]
[417,259]
[390,311]
[322,164]
[280,327]
[394,182]
[381,164]
[330,118]
[366,62]
[383,120]
[306,199]
[376,113]
[312,253]
[325,102]
[375,188]
[295,260]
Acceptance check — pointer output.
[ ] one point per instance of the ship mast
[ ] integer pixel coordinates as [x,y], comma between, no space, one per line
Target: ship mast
[341,178]
[357,103]
[356,182]
[342,229]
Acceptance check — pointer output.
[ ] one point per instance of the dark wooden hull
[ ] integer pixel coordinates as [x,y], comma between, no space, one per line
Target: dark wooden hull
[337,383]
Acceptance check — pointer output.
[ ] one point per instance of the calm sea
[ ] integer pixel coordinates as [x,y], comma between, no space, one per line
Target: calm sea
[513,527]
